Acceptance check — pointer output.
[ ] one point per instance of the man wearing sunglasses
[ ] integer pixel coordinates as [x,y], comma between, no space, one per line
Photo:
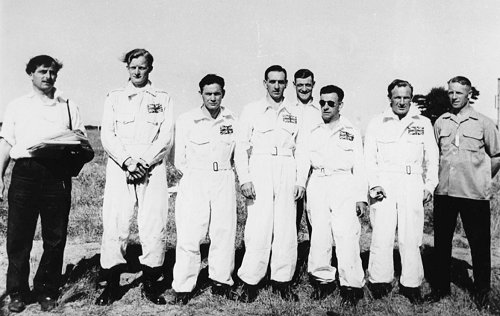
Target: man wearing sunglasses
[266,164]
[336,191]
[398,144]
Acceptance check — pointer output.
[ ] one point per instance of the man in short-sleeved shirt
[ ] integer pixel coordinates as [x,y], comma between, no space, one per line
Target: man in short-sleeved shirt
[469,146]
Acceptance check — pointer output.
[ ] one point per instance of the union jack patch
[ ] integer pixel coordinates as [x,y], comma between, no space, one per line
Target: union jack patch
[288,118]
[345,135]
[226,129]
[416,130]
[155,108]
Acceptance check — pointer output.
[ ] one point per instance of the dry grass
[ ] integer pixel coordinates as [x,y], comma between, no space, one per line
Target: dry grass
[81,278]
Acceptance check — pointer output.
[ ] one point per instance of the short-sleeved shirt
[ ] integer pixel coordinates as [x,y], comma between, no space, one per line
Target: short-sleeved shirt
[466,143]
[30,119]
[202,142]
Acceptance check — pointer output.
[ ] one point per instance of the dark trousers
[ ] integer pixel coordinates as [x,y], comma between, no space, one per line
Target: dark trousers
[37,188]
[301,206]
[475,215]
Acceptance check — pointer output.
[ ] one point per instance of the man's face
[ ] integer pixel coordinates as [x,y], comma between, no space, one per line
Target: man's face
[330,107]
[44,78]
[139,70]
[212,95]
[275,85]
[401,100]
[458,95]
[304,88]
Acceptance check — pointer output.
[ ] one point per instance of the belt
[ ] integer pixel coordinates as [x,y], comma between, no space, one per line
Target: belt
[273,151]
[211,166]
[325,172]
[407,169]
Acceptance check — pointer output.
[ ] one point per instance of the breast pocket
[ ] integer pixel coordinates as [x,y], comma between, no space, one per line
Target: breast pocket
[263,127]
[472,143]
[415,150]
[445,140]
[125,124]
[387,150]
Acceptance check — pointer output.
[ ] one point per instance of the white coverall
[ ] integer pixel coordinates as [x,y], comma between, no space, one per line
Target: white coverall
[264,155]
[137,123]
[337,182]
[401,157]
[206,200]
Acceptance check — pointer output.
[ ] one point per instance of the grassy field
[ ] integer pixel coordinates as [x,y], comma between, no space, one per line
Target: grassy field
[82,264]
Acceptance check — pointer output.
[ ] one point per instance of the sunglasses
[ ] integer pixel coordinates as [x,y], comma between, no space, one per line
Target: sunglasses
[331,104]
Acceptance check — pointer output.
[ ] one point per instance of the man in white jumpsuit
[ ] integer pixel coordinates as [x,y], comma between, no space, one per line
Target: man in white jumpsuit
[137,133]
[206,200]
[337,192]
[402,164]
[264,156]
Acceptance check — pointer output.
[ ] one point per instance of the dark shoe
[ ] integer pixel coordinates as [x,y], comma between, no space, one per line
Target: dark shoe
[221,289]
[47,303]
[285,291]
[436,295]
[350,296]
[152,293]
[248,293]
[482,299]
[180,298]
[411,293]
[16,304]
[379,290]
[322,290]
[112,292]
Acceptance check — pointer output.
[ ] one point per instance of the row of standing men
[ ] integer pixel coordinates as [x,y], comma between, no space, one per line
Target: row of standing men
[282,151]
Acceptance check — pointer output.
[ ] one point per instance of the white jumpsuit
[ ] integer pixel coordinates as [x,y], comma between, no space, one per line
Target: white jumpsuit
[401,157]
[206,200]
[264,155]
[337,182]
[137,123]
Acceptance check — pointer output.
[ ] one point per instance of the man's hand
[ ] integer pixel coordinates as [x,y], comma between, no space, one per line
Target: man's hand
[136,172]
[248,190]
[298,192]
[427,196]
[378,193]
[361,208]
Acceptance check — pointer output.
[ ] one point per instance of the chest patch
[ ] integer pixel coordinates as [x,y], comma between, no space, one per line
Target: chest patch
[347,136]
[416,130]
[288,118]
[226,129]
[155,108]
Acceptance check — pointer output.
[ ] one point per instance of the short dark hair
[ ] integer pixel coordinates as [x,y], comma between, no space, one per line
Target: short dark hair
[138,52]
[462,80]
[303,74]
[398,83]
[332,89]
[274,68]
[42,60]
[211,79]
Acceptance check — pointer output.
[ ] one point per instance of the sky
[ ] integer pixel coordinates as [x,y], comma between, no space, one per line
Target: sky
[358,45]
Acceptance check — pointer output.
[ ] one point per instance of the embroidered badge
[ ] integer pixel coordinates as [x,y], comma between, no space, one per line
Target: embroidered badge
[155,108]
[345,135]
[416,130]
[226,129]
[288,118]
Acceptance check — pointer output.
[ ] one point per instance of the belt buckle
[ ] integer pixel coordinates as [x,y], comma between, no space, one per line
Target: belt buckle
[215,166]
[322,170]
[275,153]
[408,169]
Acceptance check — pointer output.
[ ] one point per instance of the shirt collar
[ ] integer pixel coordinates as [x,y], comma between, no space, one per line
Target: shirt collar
[465,113]
[413,112]
[58,97]
[131,90]
[202,114]
[344,123]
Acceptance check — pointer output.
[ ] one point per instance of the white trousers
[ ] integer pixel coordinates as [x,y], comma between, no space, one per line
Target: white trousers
[332,212]
[403,208]
[120,200]
[270,231]
[206,202]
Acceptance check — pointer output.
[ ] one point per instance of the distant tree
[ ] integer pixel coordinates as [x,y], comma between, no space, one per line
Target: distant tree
[474,96]
[436,103]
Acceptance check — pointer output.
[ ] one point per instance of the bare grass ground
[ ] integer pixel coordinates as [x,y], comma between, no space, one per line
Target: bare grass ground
[82,263]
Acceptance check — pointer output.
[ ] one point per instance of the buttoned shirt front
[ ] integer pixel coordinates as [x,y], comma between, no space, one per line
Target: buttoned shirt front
[204,143]
[466,141]
[401,146]
[337,151]
[30,119]
[263,128]
[137,123]
[311,114]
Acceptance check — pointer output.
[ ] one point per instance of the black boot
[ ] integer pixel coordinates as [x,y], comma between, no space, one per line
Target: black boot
[321,289]
[248,293]
[411,293]
[112,291]
[221,289]
[436,295]
[17,303]
[379,290]
[180,298]
[350,296]
[150,286]
[285,291]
